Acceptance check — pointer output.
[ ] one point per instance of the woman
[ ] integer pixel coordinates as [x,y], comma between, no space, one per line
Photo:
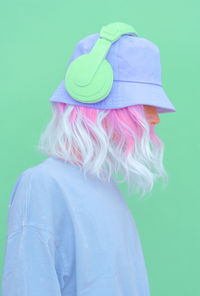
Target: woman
[70,231]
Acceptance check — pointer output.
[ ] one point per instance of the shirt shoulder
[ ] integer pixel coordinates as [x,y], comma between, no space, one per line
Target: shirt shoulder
[36,199]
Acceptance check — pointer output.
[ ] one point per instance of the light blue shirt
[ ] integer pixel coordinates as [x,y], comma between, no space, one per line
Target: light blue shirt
[70,235]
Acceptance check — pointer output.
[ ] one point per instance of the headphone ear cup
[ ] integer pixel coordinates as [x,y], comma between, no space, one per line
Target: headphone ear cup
[94,90]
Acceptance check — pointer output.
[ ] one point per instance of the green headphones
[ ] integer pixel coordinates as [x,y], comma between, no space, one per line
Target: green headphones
[89,77]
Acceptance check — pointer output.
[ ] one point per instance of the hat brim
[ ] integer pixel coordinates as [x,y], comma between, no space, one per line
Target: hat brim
[122,94]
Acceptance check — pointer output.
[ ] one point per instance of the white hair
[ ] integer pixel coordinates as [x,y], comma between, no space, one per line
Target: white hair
[101,154]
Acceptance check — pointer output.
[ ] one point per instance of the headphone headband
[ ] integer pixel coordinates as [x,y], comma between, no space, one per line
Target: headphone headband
[114,31]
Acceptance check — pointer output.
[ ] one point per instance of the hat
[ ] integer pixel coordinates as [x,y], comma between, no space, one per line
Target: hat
[136,66]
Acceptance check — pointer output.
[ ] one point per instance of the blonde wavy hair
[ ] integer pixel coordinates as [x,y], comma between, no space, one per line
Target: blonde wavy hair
[106,143]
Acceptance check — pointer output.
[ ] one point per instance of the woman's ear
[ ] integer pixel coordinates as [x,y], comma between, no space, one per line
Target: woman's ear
[151,114]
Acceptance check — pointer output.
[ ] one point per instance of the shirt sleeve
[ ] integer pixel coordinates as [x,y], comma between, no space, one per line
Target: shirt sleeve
[29,267]
[32,261]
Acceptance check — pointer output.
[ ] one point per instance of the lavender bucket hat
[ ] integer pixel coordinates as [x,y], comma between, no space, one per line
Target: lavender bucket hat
[136,75]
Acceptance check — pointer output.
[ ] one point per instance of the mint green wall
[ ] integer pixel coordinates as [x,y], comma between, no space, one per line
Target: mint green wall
[37,40]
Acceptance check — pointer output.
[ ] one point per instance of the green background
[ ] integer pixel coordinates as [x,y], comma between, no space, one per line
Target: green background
[37,40]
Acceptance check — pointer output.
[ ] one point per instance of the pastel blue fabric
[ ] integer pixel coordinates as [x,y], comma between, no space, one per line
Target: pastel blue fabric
[70,234]
[137,75]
